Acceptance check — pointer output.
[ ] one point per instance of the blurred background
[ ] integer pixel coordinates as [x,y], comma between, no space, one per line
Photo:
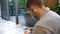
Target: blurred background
[15,10]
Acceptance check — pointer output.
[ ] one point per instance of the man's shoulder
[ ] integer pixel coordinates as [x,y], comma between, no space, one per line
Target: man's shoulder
[51,15]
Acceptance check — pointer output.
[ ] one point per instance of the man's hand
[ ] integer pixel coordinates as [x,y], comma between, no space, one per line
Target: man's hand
[29,30]
[25,32]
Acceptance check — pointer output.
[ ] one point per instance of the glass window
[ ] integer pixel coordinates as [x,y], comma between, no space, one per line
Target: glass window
[21,10]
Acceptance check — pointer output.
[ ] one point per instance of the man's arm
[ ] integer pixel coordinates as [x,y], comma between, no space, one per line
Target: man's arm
[41,30]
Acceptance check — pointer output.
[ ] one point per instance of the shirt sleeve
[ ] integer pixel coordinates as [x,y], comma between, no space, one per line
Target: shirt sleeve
[41,30]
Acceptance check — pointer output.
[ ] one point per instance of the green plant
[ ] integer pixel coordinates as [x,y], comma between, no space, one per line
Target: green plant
[58,11]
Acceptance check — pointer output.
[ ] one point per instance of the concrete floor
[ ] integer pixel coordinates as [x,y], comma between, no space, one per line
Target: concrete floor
[8,27]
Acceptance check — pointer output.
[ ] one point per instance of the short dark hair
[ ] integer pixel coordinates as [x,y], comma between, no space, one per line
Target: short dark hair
[34,2]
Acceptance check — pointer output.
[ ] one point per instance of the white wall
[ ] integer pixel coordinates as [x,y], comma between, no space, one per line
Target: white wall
[0,9]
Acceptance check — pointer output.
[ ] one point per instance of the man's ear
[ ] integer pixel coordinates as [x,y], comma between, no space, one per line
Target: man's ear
[34,9]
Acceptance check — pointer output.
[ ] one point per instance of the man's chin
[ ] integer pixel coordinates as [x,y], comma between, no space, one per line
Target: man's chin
[36,17]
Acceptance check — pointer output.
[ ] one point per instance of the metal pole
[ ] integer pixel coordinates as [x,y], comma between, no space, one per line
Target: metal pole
[0,9]
[5,9]
[16,10]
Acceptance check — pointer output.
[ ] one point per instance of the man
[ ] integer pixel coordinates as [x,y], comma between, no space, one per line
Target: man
[49,21]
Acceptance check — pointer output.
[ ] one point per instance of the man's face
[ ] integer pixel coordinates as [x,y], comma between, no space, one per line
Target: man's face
[34,12]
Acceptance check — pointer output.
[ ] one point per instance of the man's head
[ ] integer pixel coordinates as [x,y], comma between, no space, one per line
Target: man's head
[35,7]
